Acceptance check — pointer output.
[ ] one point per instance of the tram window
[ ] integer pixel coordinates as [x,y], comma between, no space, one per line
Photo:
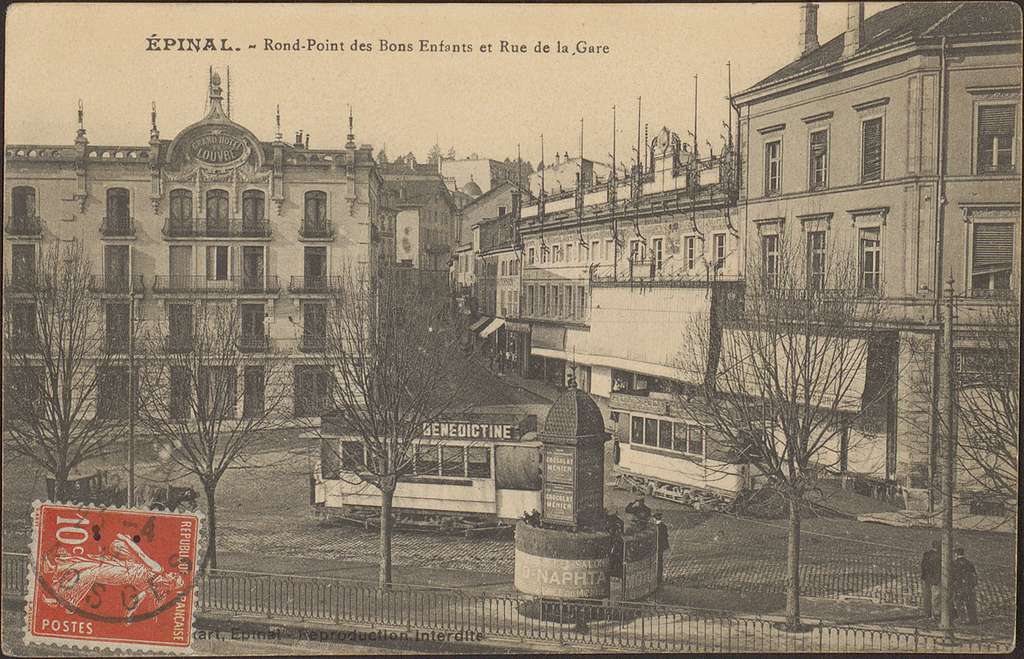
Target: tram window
[638,430]
[651,432]
[352,456]
[664,434]
[453,461]
[478,462]
[427,460]
[696,441]
[679,437]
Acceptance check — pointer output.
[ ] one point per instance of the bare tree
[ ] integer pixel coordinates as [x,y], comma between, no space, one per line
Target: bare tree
[65,374]
[393,354]
[988,402]
[782,384]
[207,392]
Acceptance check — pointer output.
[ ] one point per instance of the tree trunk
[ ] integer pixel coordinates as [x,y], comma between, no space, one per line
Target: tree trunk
[793,565]
[210,560]
[60,484]
[384,575]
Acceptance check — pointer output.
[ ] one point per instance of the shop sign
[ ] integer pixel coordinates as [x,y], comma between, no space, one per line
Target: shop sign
[462,430]
[559,503]
[559,464]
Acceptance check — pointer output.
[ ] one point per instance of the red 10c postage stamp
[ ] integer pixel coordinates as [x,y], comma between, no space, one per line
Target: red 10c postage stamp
[111,577]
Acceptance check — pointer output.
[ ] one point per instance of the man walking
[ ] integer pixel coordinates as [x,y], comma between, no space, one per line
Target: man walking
[931,577]
[662,546]
[965,582]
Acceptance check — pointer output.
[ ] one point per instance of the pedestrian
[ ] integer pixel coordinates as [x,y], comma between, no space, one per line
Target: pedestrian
[639,510]
[965,583]
[931,576]
[662,546]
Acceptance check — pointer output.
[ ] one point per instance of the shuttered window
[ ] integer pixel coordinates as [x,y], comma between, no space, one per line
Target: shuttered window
[992,256]
[871,149]
[995,137]
[819,159]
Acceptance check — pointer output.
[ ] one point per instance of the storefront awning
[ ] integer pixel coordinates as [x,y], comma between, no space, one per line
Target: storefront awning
[480,322]
[492,327]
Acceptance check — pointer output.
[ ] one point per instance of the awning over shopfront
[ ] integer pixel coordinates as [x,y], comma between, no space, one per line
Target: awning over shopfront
[480,322]
[492,327]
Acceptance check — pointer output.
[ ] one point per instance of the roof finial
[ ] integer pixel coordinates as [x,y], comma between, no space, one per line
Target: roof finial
[216,109]
[351,133]
[278,136]
[572,375]
[80,137]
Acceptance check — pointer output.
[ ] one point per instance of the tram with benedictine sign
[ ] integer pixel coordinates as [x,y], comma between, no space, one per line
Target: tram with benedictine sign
[471,472]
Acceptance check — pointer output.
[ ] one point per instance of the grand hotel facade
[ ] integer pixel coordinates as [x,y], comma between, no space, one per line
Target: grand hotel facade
[213,214]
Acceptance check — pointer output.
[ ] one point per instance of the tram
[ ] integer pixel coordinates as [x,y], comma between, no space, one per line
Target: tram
[472,472]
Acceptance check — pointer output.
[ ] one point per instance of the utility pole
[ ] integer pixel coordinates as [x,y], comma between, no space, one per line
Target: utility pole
[948,390]
[131,393]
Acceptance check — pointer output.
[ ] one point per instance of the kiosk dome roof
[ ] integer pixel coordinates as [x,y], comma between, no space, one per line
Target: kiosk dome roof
[575,414]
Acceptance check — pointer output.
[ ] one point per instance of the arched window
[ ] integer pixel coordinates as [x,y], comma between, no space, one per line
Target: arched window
[502,268]
[316,208]
[216,212]
[181,205]
[23,203]
[253,206]
[118,205]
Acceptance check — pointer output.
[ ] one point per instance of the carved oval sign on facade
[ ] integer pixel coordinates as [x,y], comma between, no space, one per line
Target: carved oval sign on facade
[218,149]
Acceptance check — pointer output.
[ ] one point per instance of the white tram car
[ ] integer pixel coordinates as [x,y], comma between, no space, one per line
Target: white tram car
[472,472]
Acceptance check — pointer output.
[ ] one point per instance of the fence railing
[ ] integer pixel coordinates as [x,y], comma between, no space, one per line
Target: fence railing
[619,625]
[321,284]
[117,284]
[200,284]
[212,228]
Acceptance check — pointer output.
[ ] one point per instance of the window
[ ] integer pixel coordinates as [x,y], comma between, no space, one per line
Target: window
[556,302]
[427,460]
[23,331]
[22,392]
[217,392]
[570,307]
[637,251]
[871,150]
[253,207]
[478,462]
[569,252]
[453,461]
[353,457]
[531,256]
[650,432]
[656,250]
[112,392]
[181,393]
[252,325]
[870,259]
[992,257]
[592,254]
[544,253]
[529,300]
[995,138]
[772,167]
[770,255]
[609,251]
[695,445]
[690,252]
[502,268]
[501,211]
[312,390]
[181,206]
[117,327]
[315,210]
[118,205]
[23,265]
[23,203]
[583,301]
[816,260]
[637,435]
[314,326]
[216,212]
[255,386]
[179,325]
[217,263]
[819,159]
[542,306]
[718,243]
[664,434]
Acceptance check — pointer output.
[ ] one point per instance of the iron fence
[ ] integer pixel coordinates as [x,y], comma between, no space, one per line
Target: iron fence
[617,625]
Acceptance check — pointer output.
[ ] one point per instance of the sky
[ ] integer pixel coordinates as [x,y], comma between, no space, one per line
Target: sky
[476,102]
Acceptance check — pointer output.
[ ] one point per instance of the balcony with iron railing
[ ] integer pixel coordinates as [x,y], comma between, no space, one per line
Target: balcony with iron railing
[321,230]
[207,228]
[253,342]
[115,343]
[118,227]
[178,343]
[199,284]
[23,226]
[321,284]
[117,285]
[311,342]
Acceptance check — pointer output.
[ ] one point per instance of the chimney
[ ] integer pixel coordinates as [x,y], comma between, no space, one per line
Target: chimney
[854,23]
[808,27]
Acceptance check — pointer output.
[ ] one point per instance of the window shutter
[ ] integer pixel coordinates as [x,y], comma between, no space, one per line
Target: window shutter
[995,120]
[993,246]
[872,149]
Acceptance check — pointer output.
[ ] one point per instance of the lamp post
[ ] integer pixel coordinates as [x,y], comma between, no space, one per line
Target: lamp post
[949,391]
